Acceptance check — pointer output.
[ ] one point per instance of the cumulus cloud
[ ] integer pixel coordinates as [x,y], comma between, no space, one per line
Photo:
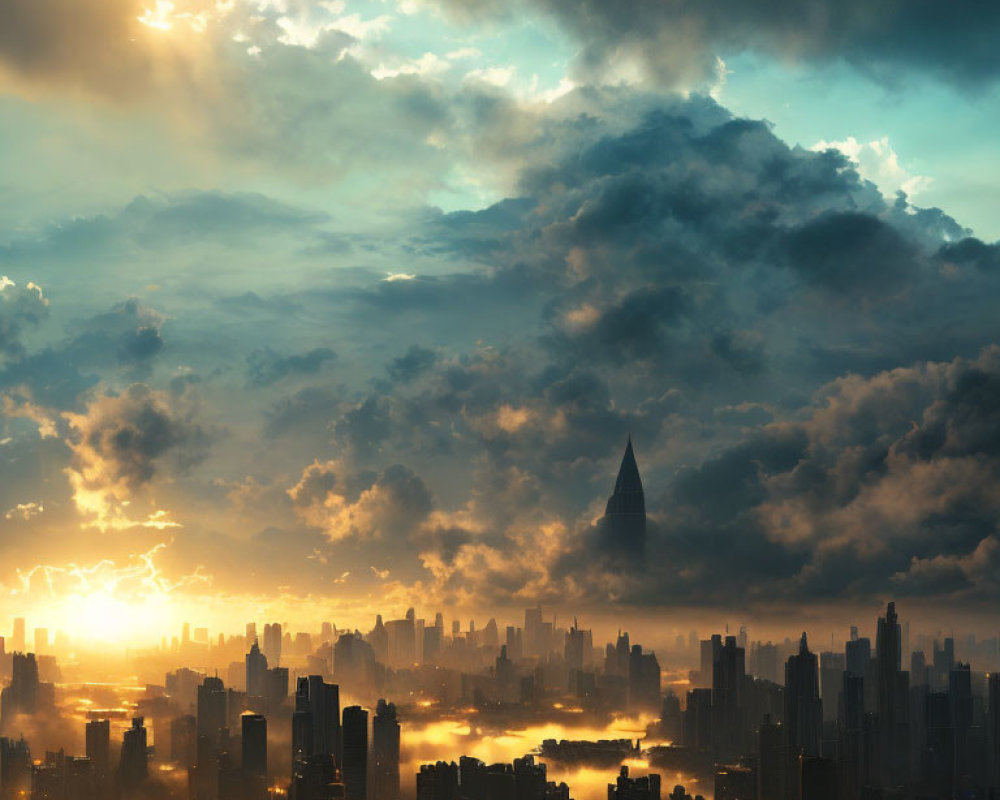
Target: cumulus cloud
[21,308]
[385,506]
[121,444]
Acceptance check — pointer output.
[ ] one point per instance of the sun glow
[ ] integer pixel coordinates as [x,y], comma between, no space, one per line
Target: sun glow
[106,602]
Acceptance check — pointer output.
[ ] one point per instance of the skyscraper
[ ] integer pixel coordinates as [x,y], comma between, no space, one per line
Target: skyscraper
[254,761]
[355,770]
[316,722]
[385,752]
[134,766]
[893,701]
[803,711]
[256,667]
[99,749]
[623,528]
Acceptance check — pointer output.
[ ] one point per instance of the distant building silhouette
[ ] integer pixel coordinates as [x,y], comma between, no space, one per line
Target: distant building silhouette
[623,528]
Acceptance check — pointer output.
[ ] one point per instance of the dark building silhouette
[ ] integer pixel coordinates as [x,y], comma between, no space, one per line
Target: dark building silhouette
[803,710]
[256,669]
[15,766]
[625,788]
[623,528]
[438,781]
[355,760]
[643,680]
[316,720]
[21,696]
[893,701]
[254,756]
[133,768]
[98,737]
[385,752]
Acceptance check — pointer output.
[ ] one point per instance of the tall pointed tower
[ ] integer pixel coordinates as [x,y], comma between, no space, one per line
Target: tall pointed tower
[624,524]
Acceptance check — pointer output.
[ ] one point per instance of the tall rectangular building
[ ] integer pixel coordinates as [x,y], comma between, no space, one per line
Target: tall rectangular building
[355,769]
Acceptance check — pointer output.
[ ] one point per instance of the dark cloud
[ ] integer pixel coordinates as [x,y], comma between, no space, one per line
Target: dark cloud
[265,367]
[21,308]
[676,43]
[416,361]
[851,252]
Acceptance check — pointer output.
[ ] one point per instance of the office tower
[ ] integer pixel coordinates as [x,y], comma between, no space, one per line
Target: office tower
[21,696]
[625,788]
[432,644]
[41,641]
[728,676]
[256,669]
[643,680]
[184,740]
[79,780]
[402,640]
[962,717]
[316,721]
[735,782]
[993,730]
[134,766]
[623,528]
[17,639]
[272,642]
[253,729]
[858,653]
[354,662]
[818,778]
[831,681]
[437,781]
[355,769]
[98,735]
[212,711]
[944,663]
[276,688]
[803,709]
[918,668]
[772,769]
[671,718]
[893,692]
[15,766]
[698,719]
[385,752]
[579,648]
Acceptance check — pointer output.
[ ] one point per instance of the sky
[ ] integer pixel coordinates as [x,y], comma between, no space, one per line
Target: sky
[313,307]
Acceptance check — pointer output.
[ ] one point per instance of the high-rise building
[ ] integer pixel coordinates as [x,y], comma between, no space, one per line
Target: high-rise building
[99,749]
[17,639]
[385,752]
[134,766]
[253,728]
[893,693]
[256,669]
[803,709]
[643,680]
[21,696]
[623,528]
[355,769]
[316,720]
[831,681]
[212,711]
[728,678]
[993,730]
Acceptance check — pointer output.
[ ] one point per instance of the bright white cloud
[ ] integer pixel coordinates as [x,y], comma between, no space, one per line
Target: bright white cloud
[878,162]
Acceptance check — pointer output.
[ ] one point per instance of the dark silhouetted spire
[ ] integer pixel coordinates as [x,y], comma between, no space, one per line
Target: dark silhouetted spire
[628,497]
[624,524]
